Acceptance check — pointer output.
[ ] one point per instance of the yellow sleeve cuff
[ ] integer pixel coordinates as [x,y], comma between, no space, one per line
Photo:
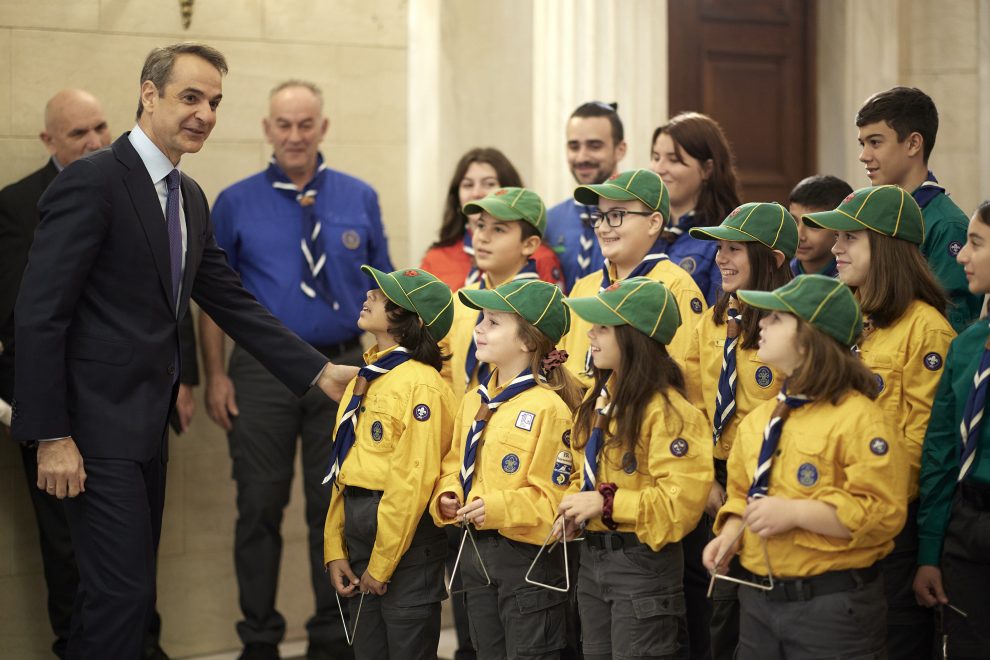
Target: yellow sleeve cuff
[625,506]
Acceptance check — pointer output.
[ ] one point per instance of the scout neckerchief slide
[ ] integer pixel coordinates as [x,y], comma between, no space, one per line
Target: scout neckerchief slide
[488,407]
[761,483]
[592,452]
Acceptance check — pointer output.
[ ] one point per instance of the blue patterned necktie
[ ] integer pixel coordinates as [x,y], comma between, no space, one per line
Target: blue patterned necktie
[586,240]
[471,359]
[315,281]
[725,397]
[172,220]
[771,439]
[927,191]
[976,403]
[593,450]
[346,429]
[519,384]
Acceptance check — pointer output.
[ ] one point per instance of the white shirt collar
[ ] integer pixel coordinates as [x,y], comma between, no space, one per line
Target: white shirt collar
[157,163]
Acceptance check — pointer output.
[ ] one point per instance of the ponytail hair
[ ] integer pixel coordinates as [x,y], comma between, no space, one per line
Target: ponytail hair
[410,332]
[558,378]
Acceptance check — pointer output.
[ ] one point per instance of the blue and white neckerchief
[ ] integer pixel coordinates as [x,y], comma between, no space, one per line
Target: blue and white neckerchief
[725,396]
[673,231]
[593,449]
[314,281]
[976,404]
[519,384]
[474,274]
[927,191]
[771,440]
[347,428]
[471,363]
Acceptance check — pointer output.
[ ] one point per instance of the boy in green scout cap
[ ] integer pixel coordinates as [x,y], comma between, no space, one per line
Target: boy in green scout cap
[644,470]
[632,209]
[897,130]
[878,234]
[508,468]
[817,486]
[508,231]
[726,380]
[393,432]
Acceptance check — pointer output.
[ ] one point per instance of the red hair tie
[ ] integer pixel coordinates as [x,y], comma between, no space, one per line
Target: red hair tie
[554,359]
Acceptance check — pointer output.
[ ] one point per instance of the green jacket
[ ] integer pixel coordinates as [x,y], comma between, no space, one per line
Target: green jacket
[945,234]
[942,447]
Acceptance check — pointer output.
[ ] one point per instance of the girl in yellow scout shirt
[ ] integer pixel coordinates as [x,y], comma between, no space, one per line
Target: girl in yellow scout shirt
[878,231]
[726,379]
[817,486]
[508,468]
[644,472]
[632,211]
[393,432]
[507,233]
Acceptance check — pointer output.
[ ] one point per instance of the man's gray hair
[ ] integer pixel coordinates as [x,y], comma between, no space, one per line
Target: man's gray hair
[158,65]
[295,82]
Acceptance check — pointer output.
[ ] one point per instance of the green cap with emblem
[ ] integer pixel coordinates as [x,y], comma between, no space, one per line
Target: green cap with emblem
[762,222]
[540,303]
[824,302]
[419,292]
[887,210]
[643,185]
[645,304]
[512,204]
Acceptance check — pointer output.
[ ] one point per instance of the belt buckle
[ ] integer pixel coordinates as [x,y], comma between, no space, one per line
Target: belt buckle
[613,542]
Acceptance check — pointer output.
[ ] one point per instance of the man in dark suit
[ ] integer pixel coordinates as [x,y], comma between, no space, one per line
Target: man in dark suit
[75,125]
[124,241]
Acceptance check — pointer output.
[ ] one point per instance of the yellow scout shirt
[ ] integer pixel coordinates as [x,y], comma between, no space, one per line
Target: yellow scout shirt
[690,303]
[906,359]
[756,381]
[663,485]
[456,344]
[522,466]
[403,430]
[846,455]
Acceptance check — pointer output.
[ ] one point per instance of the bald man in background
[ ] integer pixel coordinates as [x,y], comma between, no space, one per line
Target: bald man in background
[75,125]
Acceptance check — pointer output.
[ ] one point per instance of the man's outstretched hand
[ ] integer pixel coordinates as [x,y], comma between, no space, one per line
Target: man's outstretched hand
[334,379]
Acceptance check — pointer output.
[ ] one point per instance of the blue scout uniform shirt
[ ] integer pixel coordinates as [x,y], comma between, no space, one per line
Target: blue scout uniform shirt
[566,224]
[696,257]
[830,270]
[261,227]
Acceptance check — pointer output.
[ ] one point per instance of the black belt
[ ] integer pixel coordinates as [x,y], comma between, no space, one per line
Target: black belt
[485,533]
[612,541]
[336,350]
[356,491]
[801,589]
[976,494]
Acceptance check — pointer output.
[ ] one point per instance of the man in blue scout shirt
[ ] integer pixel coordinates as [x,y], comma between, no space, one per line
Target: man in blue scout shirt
[297,233]
[595,145]
[897,131]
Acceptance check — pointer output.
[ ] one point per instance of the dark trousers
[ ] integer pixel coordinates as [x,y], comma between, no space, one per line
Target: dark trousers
[465,650]
[966,578]
[115,526]
[263,448]
[511,618]
[846,625]
[695,630]
[910,627]
[403,624]
[631,601]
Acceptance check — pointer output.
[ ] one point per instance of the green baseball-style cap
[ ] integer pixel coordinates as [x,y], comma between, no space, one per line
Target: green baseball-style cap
[643,185]
[540,303]
[645,304]
[512,204]
[824,302]
[764,222]
[420,292]
[887,210]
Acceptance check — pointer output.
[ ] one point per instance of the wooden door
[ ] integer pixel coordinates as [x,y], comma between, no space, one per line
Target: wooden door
[749,64]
